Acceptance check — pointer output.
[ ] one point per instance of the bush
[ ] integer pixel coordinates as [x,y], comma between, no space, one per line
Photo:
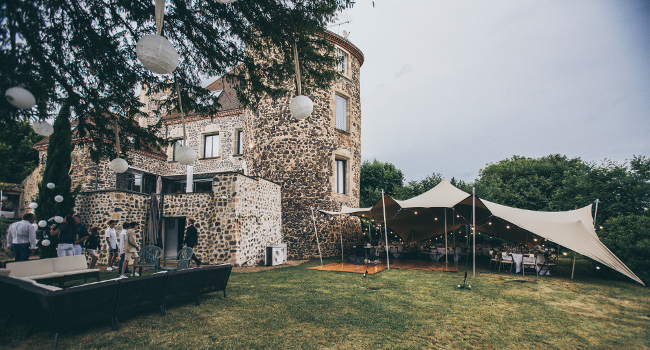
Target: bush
[629,238]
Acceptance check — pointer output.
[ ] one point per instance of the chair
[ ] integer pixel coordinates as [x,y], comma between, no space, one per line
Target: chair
[149,257]
[529,264]
[183,257]
[504,261]
[548,265]
[494,258]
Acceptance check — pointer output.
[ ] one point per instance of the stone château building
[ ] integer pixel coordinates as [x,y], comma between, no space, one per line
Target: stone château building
[257,176]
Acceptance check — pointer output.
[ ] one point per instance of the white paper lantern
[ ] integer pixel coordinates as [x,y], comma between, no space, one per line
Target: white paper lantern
[43,128]
[42,223]
[35,226]
[186,155]
[33,205]
[301,107]
[58,219]
[20,97]
[50,185]
[118,165]
[226,1]
[45,242]
[58,198]
[4,198]
[157,54]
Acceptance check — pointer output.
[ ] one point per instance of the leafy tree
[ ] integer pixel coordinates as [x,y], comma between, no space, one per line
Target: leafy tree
[19,158]
[81,54]
[622,189]
[528,183]
[57,171]
[376,176]
[628,237]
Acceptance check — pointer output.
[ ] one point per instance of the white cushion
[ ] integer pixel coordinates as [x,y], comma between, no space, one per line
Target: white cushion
[4,272]
[69,263]
[30,268]
[76,272]
[45,286]
[46,275]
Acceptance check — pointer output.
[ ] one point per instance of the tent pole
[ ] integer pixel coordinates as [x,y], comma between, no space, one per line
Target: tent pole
[341,234]
[383,202]
[446,248]
[474,230]
[596,212]
[316,231]
[574,265]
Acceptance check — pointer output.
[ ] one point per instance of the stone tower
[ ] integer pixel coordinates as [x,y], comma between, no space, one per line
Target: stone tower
[316,160]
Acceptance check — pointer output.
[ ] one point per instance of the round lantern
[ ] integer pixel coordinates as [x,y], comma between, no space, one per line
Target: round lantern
[58,198]
[43,128]
[33,205]
[226,1]
[118,165]
[20,97]
[50,185]
[58,219]
[35,226]
[157,54]
[301,107]
[45,242]
[186,155]
[42,223]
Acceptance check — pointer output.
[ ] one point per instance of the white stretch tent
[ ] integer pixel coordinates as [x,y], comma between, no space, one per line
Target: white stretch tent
[422,217]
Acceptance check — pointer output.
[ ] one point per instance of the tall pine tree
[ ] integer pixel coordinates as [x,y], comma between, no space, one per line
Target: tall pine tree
[57,171]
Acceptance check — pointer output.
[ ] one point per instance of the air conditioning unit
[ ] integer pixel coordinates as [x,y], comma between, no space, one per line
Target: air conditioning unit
[275,254]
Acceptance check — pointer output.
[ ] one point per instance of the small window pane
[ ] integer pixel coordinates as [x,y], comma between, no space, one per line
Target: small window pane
[240,142]
[211,146]
[343,62]
[340,176]
[341,113]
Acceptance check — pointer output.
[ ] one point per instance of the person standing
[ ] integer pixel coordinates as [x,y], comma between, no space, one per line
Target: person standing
[21,237]
[83,235]
[68,234]
[121,232]
[131,247]
[111,244]
[92,245]
[191,240]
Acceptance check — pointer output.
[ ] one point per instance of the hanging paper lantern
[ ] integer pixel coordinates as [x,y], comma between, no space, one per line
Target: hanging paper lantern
[157,54]
[118,165]
[43,128]
[50,185]
[58,198]
[226,1]
[301,107]
[186,155]
[42,223]
[33,205]
[35,226]
[20,97]
[58,219]
[45,242]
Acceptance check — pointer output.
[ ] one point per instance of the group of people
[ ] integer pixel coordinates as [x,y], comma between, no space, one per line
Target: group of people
[73,235]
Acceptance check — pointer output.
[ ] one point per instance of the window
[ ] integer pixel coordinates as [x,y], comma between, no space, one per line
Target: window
[203,186]
[342,62]
[211,144]
[341,111]
[239,142]
[177,145]
[340,176]
[136,181]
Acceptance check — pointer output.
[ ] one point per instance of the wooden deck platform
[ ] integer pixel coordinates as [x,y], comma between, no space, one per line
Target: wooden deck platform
[394,264]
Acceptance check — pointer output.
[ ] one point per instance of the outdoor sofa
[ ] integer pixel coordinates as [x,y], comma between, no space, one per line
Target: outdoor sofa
[53,270]
[50,307]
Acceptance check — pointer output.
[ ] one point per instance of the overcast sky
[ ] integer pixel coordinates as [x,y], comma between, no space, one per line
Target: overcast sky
[450,86]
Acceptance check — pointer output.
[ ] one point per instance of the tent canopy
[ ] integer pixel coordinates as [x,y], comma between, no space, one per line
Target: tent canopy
[423,217]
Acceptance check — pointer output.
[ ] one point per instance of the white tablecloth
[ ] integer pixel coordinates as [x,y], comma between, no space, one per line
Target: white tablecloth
[520,258]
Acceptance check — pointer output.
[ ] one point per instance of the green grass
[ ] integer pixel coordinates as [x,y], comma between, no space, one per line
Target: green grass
[395,309]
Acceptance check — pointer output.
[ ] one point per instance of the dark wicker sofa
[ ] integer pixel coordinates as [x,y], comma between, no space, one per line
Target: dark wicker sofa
[62,309]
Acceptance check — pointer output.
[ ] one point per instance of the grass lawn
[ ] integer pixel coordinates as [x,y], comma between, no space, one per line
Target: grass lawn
[395,309]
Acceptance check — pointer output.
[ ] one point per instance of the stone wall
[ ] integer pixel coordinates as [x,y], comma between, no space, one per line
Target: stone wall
[300,155]
[234,229]
[96,208]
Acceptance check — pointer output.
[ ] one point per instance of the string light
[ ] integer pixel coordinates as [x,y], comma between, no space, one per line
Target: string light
[507,226]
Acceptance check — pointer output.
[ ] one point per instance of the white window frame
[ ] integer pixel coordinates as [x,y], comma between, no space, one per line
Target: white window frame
[239,142]
[342,65]
[340,113]
[205,146]
[340,176]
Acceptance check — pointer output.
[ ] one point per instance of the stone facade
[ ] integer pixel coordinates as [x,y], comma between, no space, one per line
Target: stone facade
[296,157]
